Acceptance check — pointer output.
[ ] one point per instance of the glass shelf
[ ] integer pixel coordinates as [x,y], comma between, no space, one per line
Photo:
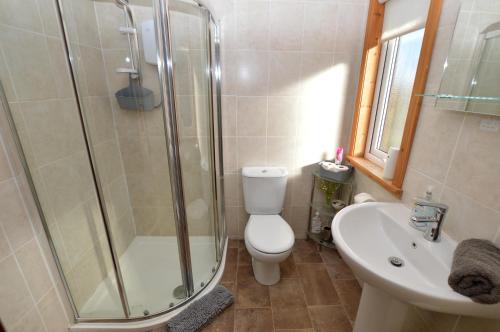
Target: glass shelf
[323,209]
[453,97]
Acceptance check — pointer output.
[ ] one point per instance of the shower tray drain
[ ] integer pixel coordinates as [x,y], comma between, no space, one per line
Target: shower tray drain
[179,292]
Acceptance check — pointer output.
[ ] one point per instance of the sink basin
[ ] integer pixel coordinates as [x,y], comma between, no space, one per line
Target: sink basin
[367,235]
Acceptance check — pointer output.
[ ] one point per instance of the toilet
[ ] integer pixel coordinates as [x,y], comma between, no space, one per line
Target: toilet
[268,237]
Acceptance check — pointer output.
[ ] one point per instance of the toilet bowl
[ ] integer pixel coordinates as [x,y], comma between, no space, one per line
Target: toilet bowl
[268,237]
[269,240]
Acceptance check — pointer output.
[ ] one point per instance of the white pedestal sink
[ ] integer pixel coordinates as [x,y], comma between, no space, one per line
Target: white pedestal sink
[367,235]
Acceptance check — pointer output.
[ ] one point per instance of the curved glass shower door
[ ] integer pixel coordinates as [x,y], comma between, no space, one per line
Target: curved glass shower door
[120,99]
[189,27]
[123,173]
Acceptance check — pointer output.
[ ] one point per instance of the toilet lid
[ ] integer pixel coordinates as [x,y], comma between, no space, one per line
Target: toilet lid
[269,234]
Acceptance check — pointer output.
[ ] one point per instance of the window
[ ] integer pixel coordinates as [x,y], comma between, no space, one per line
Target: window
[397,51]
[396,75]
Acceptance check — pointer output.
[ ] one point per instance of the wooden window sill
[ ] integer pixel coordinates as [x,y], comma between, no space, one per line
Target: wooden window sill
[374,172]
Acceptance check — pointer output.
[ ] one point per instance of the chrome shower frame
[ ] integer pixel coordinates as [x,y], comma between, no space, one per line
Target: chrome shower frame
[166,75]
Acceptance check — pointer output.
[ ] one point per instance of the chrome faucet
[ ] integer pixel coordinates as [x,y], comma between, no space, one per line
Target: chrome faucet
[428,217]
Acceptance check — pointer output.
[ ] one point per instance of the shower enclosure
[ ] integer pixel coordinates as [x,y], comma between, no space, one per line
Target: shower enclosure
[114,106]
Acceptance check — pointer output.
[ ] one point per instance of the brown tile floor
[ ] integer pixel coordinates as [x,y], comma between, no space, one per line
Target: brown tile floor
[317,292]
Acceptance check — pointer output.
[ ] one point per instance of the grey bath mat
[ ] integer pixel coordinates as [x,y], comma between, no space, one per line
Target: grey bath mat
[201,312]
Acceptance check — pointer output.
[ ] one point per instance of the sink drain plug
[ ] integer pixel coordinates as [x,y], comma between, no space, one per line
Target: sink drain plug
[396,261]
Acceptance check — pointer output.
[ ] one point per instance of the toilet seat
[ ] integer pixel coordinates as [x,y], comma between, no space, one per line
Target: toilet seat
[269,234]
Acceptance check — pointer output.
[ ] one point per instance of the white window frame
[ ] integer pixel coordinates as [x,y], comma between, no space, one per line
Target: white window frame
[385,74]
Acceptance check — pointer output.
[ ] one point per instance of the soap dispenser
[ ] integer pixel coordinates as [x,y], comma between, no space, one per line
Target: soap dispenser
[424,211]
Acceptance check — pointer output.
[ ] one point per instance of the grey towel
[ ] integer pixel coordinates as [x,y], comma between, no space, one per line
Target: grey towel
[201,312]
[475,271]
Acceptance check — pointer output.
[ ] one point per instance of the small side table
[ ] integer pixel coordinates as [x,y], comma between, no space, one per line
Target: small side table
[324,192]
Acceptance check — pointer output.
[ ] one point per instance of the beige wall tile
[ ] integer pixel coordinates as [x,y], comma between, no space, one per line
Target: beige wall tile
[350,33]
[13,217]
[285,30]
[282,116]
[281,152]
[251,151]
[230,153]
[49,17]
[435,126]
[476,162]
[53,129]
[183,77]
[252,24]
[84,16]
[30,322]
[80,231]
[229,70]
[33,266]
[232,221]
[319,27]
[154,220]
[284,73]
[317,74]
[252,73]
[29,20]
[251,116]
[109,161]
[59,68]
[88,272]
[468,218]
[9,146]
[31,75]
[15,299]
[100,115]
[416,184]
[242,222]
[110,17]
[93,66]
[123,232]
[299,221]
[365,184]
[301,187]
[119,203]
[5,171]
[4,245]
[346,66]
[7,81]
[52,313]
[228,23]
[68,182]
[232,188]
[229,109]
